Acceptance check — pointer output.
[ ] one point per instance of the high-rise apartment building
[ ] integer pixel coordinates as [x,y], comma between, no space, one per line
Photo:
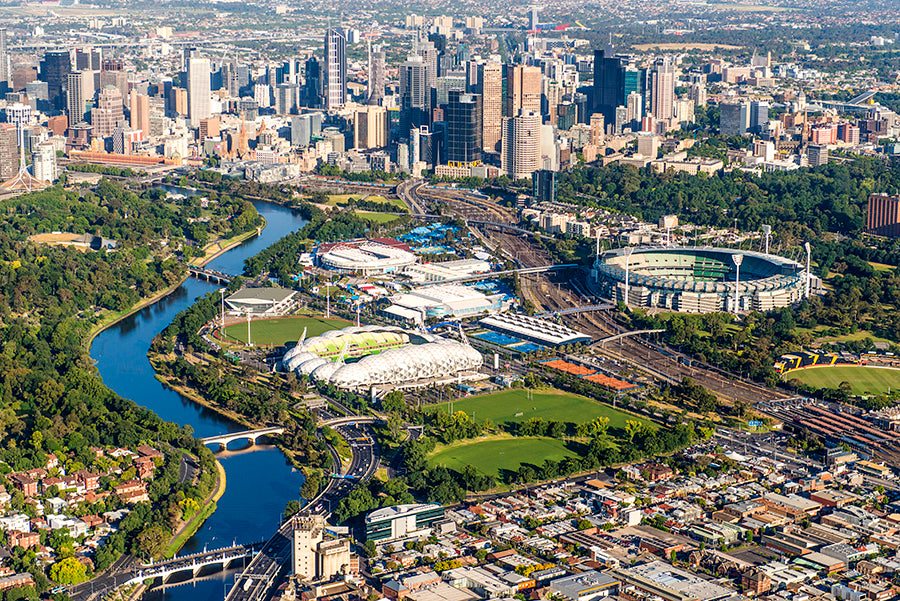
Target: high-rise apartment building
[375,85]
[9,152]
[44,162]
[140,113]
[609,85]
[198,89]
[521,154]
[523,90]
[662,96]
[80,90]
[4,59]
[464,127]
[490,86]
[335,71]
[697,94]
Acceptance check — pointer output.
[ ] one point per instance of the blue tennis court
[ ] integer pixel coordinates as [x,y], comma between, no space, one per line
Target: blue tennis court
[496,338]
[528,348]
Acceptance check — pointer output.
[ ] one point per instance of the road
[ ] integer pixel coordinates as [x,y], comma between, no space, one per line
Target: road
[264,570]
[120,571]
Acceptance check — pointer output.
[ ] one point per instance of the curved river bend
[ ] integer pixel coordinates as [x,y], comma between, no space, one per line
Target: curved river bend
[259,481]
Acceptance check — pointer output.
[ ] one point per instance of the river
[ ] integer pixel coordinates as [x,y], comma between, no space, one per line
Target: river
[259,481]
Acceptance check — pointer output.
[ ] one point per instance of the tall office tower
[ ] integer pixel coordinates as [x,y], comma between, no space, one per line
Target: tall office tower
[44,162]
[371,127]
[414,91]
[4,59]
[635,80]
[301,130]
[9,151]
[80,89]
[533,18]
[262,94]
[697,94]
[209,128]
[55,69]
[609,85]
[443,85]
[87,59]
[662,96]
[464,127]
[490,86]
[375,85]
[198,89]
[335,71]
[759,116]
[119,79]
[108,114]
[179,101]
[523,90]
[817,154]
[112,64]
[286,98]
[312,87]
[634,107]
[543,182]
[734,118]
[187,53]
[621,120]
[429,54]
[521,154]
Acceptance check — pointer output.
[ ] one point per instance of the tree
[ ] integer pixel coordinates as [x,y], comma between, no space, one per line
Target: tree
[151,540]
[68,571]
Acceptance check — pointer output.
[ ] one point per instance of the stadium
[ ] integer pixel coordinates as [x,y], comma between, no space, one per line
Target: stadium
[383,356]
[365,257]
[702,279]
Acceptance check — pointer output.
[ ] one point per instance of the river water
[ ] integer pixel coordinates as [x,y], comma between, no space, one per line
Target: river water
[259,481]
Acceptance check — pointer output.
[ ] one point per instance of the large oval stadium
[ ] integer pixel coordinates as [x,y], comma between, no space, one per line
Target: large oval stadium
[695,279]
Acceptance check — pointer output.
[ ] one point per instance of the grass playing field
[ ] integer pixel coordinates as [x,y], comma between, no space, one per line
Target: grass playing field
[488,454]
[502,407]
[863,380]
[377,217]
[281,330]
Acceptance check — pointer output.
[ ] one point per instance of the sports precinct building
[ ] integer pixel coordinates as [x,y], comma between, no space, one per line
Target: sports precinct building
[695,279]
[365,257]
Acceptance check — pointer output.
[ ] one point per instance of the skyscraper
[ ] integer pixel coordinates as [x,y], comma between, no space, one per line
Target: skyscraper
[375,86]
[371,127]
[464,123]
[734,117]
[634,107]
[662,96]
[9,155]
[108,113]
[523,90]
[4,59]
[414,91]
[609,85]
[55,69]
[80,89]
[490,86]
[335,82]
[87,59]
[198,89]
[312,87]
[140,113]
[521,154]
[759,115]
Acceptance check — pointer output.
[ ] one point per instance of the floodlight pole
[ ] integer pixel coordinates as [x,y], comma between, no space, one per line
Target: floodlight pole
[767,230]
[628,251]
[738,259]
[249,341]
[222,292]
[328,298]
[808,273]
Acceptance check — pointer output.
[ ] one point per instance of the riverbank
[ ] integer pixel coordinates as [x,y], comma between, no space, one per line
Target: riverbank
[226,245]
[186,530]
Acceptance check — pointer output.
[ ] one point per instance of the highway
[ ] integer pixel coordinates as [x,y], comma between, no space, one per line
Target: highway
[264,569]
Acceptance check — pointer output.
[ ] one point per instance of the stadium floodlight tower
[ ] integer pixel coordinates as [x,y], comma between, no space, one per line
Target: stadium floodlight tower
[738,259]
[222,292]
[767,230]
[808,273]
[628,251]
